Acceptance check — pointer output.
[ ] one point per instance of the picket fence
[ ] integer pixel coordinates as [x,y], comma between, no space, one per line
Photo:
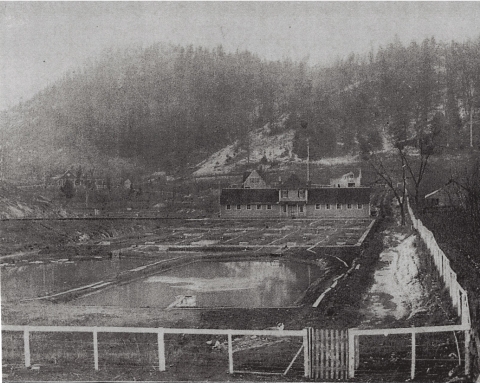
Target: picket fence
[328,354]
[442,263]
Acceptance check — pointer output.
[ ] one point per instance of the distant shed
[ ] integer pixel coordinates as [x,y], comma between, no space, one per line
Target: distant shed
[450,195]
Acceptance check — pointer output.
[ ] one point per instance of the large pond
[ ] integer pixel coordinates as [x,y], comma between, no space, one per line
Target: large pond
[214,284]
[30,280]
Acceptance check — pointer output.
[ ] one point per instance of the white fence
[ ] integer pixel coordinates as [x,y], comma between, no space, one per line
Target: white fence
[449,277]
[355,353]
[161,332]
[327,354]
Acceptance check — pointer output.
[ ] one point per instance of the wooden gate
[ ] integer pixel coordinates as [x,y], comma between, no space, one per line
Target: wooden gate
[328,354]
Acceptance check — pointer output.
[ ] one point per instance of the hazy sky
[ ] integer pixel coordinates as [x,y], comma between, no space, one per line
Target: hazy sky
[41,40]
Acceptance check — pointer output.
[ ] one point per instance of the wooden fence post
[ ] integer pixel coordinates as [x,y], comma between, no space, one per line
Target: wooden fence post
[161,349]
[412,372]
[95,348]
[357,352]
[351,354]
[26,347]
[306,354]
[230,354]
[467,353]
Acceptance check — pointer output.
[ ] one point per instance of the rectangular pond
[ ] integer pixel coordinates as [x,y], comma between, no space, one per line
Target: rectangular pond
[25,280]
[246,284]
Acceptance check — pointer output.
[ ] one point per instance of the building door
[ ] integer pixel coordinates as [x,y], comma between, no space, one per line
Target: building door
[292,210]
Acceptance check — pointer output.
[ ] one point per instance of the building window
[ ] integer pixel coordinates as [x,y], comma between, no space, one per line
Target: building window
[339,206]
[269,207]
[249,207]
[259,207]
[284,208]
[300,208]
[239,207]
[359,206]
[317,206]
[228,207]
[328,206]
[349,206]
[284,193]
[301,194]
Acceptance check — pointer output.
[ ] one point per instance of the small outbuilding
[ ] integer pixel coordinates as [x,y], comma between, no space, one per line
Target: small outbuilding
[450,195]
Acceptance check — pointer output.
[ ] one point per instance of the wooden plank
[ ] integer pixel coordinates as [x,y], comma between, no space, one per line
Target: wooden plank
[95,349]
[409,330]
[26,347]
[467,353]
[322,354]
[293,360]
[412,369]
[342,354]
[306,360]
[230,354]
[329,354]
[357,352]
[335,359]
[161,350]
[339,364]
[317,353]
[313,348]
[192,331]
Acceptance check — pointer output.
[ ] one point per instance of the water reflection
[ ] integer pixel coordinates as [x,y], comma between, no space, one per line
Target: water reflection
[216,284]
[32,280]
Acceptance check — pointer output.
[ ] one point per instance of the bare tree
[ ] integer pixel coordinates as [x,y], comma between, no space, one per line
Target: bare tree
[387,169]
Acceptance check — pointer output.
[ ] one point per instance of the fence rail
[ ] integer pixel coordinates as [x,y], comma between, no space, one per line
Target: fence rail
[355,334]
[327,354]
[161,332]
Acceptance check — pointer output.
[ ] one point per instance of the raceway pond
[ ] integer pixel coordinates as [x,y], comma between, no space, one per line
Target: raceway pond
[246,283]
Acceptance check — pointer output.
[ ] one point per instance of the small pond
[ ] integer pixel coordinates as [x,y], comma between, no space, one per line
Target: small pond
[246,284]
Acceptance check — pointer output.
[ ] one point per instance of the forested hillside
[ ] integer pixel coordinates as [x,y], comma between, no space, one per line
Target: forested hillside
[169,107]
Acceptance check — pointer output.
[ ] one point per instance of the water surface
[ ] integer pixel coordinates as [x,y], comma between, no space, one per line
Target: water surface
[215,284]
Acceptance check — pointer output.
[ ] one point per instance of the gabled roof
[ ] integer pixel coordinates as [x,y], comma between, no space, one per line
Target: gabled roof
[67,174]
[432,193]
[248,173]
[293,182]
[338,195]
[449,186]
[248,196]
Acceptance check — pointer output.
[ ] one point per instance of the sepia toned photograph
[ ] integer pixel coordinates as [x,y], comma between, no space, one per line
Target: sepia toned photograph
[271,191]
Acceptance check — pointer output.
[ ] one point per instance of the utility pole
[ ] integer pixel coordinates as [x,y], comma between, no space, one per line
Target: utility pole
[308,160]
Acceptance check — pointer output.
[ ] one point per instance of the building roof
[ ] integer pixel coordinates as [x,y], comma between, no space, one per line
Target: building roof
[450,188]
[67,174]
[339,195]
[315,196]
[248,196]
[432,193]
[247,174]
[293,182]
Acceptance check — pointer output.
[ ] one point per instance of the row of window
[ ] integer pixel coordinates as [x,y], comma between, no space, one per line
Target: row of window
[249,207]
[300,207]
[338,206]
[300,193]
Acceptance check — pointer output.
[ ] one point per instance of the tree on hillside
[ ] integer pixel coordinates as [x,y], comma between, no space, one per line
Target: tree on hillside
[425,143]
[391,170]
[469,182]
